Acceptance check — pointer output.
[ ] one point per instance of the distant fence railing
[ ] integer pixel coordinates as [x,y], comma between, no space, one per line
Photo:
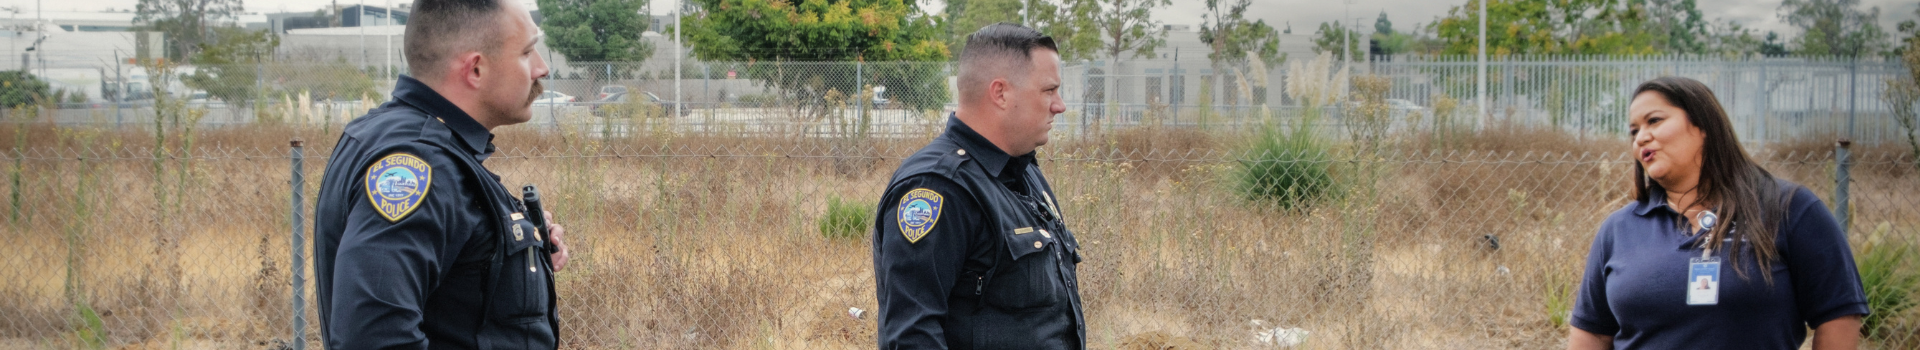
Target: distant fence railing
[1770,99]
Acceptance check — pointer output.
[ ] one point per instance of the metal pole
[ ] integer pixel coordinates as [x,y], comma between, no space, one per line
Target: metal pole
[119,91]
[678,101]
[1480,87]
[1853,75]
[553,114]
[1840,179]
[859,95]
[360,20]
[298,242]
[388,53]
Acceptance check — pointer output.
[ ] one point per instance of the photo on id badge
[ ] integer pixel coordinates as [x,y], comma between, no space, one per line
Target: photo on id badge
[1703,281]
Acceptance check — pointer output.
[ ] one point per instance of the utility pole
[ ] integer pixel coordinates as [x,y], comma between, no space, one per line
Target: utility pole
[679,102]
[1480,86]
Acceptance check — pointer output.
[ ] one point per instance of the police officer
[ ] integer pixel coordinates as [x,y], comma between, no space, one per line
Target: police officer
[417,244]
[970,251]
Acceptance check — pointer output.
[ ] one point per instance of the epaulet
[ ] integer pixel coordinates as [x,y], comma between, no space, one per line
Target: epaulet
[939,158]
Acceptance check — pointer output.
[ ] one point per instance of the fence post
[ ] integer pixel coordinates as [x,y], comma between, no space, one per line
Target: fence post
[1840,179]
[859,98]
[299,240]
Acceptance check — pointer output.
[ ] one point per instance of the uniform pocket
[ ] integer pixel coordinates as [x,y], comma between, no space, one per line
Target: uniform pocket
[522,281]
[1030,279]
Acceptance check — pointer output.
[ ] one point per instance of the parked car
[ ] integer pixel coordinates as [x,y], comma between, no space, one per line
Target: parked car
[610,90]
[599,107]
[1404,105]
[199,99]
[879,97]
[553,97]
[667,105]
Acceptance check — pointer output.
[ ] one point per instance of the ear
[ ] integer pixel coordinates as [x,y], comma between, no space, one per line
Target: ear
[469,69]
[997,92]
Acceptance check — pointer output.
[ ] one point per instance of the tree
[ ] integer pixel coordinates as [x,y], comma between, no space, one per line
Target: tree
[1772,47]
[186,23]
[1591,27]
[229,67]
[1334,38]
[1128,25]
[19,88]
[1903,92]
[1834,27]
[1729,38]
[825,31]
[1231,36]
[1677,26]
[602,36]
[1382,25]
[1073,24]
[1909,35]
[1525,27]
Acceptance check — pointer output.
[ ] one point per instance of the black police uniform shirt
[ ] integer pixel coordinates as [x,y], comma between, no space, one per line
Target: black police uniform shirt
[970,252]
[411,227]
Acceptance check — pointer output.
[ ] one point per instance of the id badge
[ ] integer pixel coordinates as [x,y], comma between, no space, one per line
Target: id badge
[1703,281]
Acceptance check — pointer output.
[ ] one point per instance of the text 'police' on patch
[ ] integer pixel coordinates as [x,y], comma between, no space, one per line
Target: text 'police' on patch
[397,183]
[919,210]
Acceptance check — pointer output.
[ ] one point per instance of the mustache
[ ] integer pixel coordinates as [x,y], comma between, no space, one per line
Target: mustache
[534,92]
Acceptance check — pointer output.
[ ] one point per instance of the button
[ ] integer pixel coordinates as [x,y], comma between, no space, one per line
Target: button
[1036,244]
[960,152]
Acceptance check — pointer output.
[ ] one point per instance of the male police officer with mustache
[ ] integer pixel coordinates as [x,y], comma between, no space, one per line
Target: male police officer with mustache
[417,244]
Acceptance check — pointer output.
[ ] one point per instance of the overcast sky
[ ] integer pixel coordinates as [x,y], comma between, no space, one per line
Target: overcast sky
[1304,15]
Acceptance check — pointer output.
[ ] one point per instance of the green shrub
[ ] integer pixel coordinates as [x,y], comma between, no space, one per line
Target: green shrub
[636,106]
[758,99]
[1288,167]
[20,88]
[1887,272]
[846,219]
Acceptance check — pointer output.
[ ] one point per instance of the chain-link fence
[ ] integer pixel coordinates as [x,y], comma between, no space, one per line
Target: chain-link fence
[1777,99]
[695,241]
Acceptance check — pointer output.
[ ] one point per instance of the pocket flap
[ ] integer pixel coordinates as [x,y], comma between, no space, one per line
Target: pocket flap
[522,235]
[1028,240]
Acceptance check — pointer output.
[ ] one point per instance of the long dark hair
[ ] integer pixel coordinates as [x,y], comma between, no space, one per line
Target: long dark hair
[1745,194]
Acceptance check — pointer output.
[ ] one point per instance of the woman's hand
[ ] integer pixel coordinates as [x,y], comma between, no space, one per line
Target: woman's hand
[1839,334]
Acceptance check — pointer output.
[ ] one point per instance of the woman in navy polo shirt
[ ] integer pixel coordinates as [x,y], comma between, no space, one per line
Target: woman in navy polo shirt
[1714,253]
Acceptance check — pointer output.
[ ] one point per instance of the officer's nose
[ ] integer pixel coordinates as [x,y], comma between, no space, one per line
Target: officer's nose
[539,67]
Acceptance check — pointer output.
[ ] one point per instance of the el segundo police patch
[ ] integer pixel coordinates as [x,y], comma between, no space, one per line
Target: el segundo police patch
[918,211]
[397,184]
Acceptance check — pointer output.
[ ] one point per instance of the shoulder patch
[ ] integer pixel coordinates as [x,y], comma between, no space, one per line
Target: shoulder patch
[397,183]
[918,211]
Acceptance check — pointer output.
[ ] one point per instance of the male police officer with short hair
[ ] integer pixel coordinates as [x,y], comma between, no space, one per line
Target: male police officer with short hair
[417,244]
[970,251]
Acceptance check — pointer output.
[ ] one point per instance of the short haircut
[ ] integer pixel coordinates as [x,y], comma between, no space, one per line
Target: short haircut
[438,29]
[998,50]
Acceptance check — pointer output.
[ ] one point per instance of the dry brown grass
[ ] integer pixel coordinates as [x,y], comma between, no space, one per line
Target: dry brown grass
[709,242]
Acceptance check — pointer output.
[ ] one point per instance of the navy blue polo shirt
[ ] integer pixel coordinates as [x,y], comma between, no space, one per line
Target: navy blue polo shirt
[1635,284]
